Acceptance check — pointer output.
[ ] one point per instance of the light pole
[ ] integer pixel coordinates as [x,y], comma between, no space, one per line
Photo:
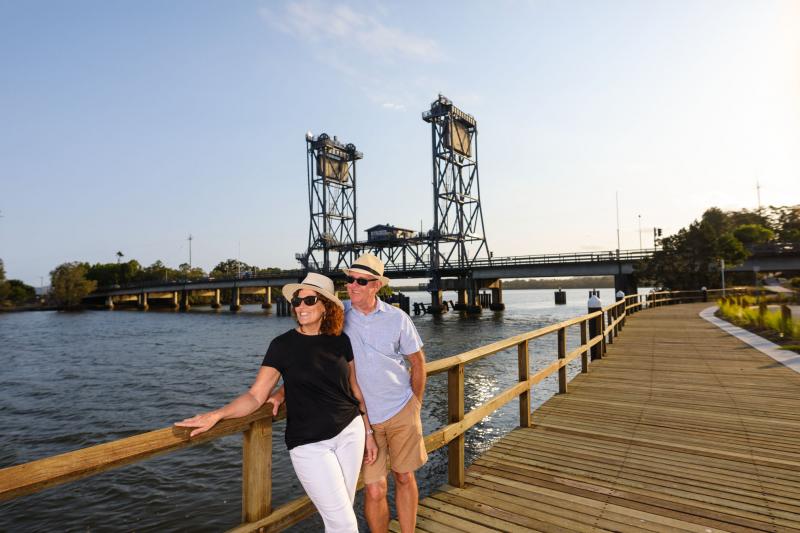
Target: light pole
[640,231]
[190,251]
[722,273]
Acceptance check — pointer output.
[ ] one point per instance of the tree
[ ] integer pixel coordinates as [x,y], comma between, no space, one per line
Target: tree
[3,285]
[187,273]
[753,234]
[69,286]
[19,293]
[690,258]
[230,268]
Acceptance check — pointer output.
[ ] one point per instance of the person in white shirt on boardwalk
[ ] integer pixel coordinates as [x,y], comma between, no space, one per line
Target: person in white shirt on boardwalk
[390,367]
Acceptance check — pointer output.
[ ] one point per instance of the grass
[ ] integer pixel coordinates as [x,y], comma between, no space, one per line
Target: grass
[771,324]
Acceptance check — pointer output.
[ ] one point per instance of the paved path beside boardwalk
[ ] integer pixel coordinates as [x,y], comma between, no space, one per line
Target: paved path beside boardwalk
[682,427]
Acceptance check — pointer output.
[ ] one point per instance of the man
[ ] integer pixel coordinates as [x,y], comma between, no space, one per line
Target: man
[390,367]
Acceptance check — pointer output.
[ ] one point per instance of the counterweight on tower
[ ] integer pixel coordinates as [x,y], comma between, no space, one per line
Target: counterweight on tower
[331,202]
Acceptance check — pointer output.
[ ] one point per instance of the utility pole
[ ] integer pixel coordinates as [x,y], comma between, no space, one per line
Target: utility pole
[640,231]
[618,246]
[190,251]
[758,194]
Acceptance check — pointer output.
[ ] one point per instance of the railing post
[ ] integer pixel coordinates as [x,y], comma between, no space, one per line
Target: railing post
[595,326]
[603,343]
[524,362]
[562,354]
[257,470]
[584,353]
[455,413]
[610,317]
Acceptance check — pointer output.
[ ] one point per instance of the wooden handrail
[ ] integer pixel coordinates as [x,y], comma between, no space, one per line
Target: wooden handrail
[37,475]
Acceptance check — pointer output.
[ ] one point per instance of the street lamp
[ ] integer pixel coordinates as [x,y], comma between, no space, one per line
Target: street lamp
[640,231]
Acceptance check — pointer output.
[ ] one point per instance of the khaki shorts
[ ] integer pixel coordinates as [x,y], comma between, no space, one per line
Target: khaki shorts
[400,441]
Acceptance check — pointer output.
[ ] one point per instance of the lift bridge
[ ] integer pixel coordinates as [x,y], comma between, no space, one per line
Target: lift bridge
[454,253]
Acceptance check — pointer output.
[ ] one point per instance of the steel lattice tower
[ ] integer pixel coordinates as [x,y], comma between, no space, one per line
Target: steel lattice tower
[458,236]
[332,203]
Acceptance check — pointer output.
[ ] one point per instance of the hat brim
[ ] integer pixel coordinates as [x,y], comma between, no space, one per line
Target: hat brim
[383,279]
[291,288]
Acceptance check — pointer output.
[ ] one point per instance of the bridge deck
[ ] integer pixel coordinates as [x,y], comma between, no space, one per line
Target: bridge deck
[680,428]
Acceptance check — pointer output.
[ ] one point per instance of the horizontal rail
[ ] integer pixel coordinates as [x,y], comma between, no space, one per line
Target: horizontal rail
[443,365]
[34,476]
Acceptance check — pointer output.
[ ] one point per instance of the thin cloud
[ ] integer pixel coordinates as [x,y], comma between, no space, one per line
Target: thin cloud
[342,26]
[393,106]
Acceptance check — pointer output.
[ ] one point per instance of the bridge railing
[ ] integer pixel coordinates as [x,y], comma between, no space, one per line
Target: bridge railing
[596,330]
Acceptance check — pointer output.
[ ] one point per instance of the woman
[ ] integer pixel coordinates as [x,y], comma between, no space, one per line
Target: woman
[327,430]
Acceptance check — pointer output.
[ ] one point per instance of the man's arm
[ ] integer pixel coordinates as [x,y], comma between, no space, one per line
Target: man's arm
[418,374]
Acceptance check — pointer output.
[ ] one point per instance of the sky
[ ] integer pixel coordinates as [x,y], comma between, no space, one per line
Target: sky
[128,126]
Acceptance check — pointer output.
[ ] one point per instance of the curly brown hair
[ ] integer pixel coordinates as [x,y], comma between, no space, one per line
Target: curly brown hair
[332,320]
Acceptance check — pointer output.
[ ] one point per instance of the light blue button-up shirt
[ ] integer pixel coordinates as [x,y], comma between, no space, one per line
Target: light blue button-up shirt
[381,340]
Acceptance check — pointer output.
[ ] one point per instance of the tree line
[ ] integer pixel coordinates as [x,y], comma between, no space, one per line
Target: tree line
[692,257]
[72,281]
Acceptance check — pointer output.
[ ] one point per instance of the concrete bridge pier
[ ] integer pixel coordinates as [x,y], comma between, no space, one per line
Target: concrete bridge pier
[143,305]
[109,303]
[461,304]
[184,304]
[215,303]
[625,283]
[235,300]
[474,303]
[175,300]
[267,298]
[437,305]
[497,296]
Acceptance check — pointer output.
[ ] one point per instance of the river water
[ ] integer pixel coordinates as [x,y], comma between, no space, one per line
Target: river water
[71,380]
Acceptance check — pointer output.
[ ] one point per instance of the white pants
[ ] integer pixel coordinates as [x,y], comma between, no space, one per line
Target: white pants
[328,470]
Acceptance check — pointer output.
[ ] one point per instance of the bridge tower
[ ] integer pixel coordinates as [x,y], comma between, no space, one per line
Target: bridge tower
[331,202]
[458,235]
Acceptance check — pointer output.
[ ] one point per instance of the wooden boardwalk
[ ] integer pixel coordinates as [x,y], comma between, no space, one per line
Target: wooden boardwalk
[680,428]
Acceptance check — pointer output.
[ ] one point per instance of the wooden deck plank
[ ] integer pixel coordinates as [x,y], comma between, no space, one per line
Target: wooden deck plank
[680,428]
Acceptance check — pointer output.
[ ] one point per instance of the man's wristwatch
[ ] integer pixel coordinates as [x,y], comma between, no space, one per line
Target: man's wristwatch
[370,431]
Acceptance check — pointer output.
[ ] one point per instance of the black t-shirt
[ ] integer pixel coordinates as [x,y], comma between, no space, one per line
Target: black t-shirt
[316,374]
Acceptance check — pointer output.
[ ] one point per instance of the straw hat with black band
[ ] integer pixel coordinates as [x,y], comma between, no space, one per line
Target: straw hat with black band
[318,283]
[368,264]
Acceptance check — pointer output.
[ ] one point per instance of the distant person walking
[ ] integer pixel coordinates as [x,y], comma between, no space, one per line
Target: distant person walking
[328,431]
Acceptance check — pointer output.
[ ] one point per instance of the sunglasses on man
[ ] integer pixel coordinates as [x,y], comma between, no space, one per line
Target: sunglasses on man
[361,281]
[308,300]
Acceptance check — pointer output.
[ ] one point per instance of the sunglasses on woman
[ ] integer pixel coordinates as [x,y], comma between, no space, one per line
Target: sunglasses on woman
[361,281]
[308,300]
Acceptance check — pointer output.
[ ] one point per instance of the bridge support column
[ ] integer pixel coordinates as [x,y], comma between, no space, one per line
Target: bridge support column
[473,298]
[625,283]
[497,297]
[461,304]
[437,306]
[235,300]
[109,303]
[175,300]
[267,298]
[184,305]
[215,303]
[143,305]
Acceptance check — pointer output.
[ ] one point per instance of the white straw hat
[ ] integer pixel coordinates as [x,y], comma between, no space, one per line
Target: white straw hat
[368,264]
[318,283]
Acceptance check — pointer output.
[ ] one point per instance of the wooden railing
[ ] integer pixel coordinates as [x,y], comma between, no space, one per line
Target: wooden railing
[597,329]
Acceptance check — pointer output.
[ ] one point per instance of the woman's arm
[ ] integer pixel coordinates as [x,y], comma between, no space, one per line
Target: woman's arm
[370,447]
[242,406]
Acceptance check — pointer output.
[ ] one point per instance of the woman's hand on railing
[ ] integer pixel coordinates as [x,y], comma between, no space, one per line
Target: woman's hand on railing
[202,422]
[370,449]
[276,399]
